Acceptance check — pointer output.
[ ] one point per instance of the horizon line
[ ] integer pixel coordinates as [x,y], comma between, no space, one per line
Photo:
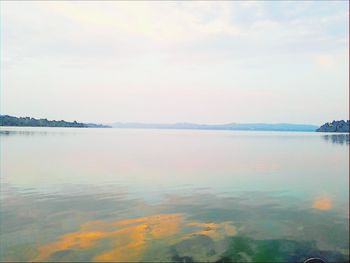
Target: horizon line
[172,123]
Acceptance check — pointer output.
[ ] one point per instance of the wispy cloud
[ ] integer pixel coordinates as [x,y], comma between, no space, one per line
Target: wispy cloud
[221,50]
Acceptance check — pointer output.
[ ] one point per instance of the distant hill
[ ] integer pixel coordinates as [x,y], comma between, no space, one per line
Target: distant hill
[6,120]
[230,126]
[335,126]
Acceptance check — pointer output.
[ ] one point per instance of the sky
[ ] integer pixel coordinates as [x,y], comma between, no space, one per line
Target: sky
[167,62]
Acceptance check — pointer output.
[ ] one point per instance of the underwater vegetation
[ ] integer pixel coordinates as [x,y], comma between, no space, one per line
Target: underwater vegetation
[244,249]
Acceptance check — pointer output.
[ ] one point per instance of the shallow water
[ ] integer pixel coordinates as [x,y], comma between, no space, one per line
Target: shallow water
[173,195]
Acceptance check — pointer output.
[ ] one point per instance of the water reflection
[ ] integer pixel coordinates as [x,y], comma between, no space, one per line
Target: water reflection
[109,194]
[40,131]
[33,132]
[323,203]
[191,228]
[337,138]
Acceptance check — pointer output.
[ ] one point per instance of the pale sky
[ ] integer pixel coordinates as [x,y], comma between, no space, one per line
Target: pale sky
[166,62]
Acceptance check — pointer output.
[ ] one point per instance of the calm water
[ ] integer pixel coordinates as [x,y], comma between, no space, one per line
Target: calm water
[173,195]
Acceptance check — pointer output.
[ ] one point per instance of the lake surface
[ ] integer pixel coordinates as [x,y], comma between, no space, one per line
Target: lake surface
[173,195]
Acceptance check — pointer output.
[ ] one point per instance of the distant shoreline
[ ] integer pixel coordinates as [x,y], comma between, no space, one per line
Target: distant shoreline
[11,121]
[181,129]
[169,129]
[229,127]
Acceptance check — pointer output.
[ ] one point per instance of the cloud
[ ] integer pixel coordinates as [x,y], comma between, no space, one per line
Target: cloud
[129,29]
[149,53]
[162,22]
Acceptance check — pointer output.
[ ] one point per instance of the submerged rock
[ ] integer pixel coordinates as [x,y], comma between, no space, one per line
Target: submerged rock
[335,126]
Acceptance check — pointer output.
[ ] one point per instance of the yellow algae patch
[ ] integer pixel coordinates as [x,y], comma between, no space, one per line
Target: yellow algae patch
[79,240]
[212,230]
[323,203]
[129,245]
[206,229]
[229,229]
[128,237]
[166,226]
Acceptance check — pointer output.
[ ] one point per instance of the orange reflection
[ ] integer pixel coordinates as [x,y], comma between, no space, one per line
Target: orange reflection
[323,203]
[129,239]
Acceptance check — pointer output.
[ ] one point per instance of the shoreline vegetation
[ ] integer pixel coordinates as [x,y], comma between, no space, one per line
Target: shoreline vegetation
[335,126]
[6,120]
